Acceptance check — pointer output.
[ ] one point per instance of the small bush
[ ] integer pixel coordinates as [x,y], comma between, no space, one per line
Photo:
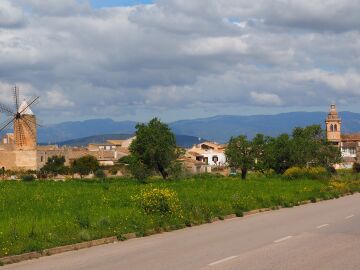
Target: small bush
[83,221]
[104,222]
[27,177]
[177,170]
[100,174]
[84,235]
[159,201]
[312,172]
[356,168]
[113,171]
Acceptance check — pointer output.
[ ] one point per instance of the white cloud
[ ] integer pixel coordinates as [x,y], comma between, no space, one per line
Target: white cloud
[56,100]
[265,98]
[218,45]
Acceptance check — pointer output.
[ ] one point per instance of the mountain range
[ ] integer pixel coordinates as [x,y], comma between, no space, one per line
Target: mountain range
[217,128]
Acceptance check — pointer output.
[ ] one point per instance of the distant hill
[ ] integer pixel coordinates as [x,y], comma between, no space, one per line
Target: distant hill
[221,128]
[218,128]
[73,130]
[181,140]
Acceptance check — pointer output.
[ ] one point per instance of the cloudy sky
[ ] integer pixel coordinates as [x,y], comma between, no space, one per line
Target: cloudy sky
[180,59]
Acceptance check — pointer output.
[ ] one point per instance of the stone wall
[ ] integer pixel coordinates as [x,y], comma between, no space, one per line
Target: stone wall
[18,160]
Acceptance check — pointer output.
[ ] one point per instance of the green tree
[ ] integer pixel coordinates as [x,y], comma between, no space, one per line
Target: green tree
[55,165]
[154,147]
[85,165]
[328,155]
[240,155]
[261,149]
[279,153]
[305,146]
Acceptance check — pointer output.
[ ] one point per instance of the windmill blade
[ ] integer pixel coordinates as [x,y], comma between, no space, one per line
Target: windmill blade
[5,109]
[28,127]
[21,133]
[6,123]
[32,101]
[31,120]
[16,97]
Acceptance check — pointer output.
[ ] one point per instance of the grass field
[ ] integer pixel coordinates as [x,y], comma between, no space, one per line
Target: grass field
[43,214]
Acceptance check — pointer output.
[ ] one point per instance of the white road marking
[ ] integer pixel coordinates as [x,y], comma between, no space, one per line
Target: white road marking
[283,239]
[322,226]
[351,216]
[222,260]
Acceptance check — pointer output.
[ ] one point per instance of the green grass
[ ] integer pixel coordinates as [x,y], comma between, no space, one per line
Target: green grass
[43,214]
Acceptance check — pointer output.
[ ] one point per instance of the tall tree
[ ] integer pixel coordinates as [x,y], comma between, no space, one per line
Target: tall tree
[240,155]
[279,153]
[260,147]
[154,146]
[305,146]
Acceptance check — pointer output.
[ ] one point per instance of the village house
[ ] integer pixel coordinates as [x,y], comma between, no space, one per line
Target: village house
[205,157]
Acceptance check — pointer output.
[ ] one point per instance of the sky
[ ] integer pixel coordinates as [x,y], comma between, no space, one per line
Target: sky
[175,59]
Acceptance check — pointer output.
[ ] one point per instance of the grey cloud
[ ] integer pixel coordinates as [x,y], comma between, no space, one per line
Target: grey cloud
[55,7]
[11,16]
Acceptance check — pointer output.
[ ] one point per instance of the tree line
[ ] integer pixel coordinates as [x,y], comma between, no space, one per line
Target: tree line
[305,147]
[154,151]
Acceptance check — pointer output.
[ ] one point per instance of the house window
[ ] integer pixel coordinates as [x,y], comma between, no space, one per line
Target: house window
[335,128]
[348,151]
[331,127]
[215,159]
[41,159]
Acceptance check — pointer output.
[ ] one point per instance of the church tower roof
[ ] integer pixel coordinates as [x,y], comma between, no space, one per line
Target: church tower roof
[333,114]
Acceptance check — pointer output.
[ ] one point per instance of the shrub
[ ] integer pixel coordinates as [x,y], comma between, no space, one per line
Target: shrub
[177,170]
[84,235]
[100,174]
[356,167]
[55,165]
[28,177]
[159,201]
[85,165]
[312,172]
[138,169]
[113,171]
[316,172]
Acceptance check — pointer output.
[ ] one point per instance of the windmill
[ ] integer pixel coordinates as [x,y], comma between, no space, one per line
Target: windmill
[23,121]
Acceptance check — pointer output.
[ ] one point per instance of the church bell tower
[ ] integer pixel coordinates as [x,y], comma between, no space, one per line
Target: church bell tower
[333,126]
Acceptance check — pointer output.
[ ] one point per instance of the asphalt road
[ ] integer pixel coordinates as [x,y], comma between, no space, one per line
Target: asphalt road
[324,235]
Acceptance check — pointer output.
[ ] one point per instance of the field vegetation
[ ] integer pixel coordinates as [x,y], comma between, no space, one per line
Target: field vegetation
[36,215]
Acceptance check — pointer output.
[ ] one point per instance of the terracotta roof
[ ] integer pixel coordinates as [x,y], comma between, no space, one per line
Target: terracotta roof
[192,161]
[350,137]
[212,144]
[115,142]
[349,144]
[333,115]
[123,150]
[193,153]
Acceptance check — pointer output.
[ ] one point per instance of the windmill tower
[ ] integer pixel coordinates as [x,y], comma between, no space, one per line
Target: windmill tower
[23,121]
[25,128]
